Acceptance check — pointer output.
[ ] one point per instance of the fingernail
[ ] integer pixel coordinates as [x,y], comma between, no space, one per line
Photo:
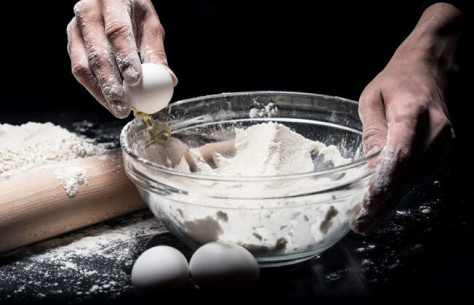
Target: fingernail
[120,109]
[173,77]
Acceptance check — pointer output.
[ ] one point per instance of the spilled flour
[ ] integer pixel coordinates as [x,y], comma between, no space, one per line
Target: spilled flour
[92,263]
[72,177]
[33,145]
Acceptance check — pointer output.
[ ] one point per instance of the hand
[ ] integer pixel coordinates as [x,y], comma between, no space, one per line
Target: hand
[171,153]
[107,42]
[403,111]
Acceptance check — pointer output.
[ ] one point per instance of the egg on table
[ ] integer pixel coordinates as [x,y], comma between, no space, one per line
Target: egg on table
[218,265]
[160,269]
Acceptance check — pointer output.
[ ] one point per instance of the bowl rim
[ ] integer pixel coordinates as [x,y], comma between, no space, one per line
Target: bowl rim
[228,178]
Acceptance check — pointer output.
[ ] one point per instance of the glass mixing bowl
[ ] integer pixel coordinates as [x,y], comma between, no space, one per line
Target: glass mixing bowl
[280,219]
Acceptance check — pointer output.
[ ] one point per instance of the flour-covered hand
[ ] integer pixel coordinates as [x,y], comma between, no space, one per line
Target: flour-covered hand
[403,112]
[107,42]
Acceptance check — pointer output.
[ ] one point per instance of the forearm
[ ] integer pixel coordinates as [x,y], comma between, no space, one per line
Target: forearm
[435,38]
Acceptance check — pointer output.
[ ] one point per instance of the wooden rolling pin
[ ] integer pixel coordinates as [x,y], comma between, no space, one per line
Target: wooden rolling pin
[35,206]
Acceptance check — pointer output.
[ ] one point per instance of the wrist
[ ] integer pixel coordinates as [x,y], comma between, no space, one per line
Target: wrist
[434,39]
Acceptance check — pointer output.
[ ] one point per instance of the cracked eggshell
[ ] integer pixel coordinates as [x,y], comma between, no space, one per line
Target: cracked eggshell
[153,92]
[218,265]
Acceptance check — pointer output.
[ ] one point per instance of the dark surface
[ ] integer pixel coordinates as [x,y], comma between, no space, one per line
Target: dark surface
[425,249]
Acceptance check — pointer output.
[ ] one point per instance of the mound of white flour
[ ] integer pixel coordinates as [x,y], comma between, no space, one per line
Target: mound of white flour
[272,149]
[268,149]
[285,215]
[23,147]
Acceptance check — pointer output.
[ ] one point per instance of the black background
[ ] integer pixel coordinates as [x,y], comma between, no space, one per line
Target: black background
[327,47]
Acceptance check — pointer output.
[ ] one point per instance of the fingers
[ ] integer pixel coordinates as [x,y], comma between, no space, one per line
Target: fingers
[119,32]
[105,40]
[151,35]
[395,125]
[408,127]
[80,65]
[382,196]
[100,57]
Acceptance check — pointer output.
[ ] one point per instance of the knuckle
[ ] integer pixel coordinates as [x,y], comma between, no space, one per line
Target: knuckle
[373,136]
[157,29]
[403,155]
[78,68]
[366,96]
[81,71]
[81,7]
[368,99]
[96,59]
[116,29]
[402,116]
[85,10]
[410,109]
[72,24]
[372,133]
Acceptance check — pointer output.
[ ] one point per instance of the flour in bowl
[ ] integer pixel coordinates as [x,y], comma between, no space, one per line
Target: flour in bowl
[267,193]
[272,149]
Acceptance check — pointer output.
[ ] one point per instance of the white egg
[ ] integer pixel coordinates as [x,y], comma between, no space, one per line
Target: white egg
[223,265]
[153,92]
[160,269]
